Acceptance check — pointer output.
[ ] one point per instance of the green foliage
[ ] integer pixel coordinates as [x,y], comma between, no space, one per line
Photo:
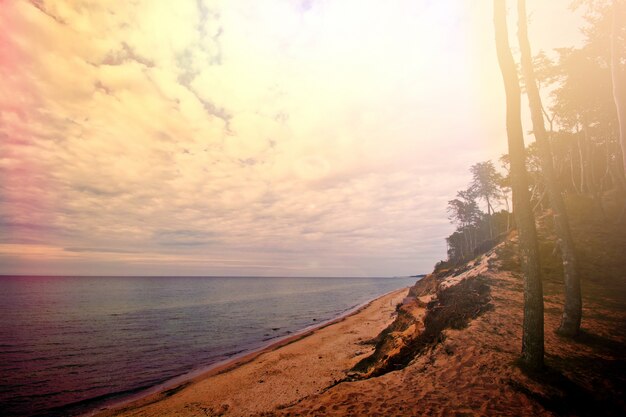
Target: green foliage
[583,138]
[582,117]
[485,182]
[476,229]
[463,211]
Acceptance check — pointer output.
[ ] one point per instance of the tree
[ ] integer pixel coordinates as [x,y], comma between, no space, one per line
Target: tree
[463,211]
[588,81]
[532,333]
[485,180]
[570,322]
[618,69]
[505,188]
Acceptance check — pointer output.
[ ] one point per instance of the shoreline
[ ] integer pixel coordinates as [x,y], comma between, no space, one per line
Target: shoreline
[172,386]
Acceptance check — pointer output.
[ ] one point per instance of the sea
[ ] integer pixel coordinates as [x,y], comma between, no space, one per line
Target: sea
[72,345]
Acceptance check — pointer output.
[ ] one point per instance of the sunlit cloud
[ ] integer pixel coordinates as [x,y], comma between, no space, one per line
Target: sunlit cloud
[240,137]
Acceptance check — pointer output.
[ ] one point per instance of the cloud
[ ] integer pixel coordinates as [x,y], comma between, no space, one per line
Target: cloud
[100,250]
[212,137]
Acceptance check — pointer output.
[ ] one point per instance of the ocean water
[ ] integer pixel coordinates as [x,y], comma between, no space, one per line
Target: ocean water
[69,345]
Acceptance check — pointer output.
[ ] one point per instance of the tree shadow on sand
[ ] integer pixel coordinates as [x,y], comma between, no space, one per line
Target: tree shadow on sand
[582,385]
[601,344]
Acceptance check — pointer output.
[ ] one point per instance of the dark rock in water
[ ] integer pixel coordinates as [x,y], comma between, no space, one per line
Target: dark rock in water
[275,328]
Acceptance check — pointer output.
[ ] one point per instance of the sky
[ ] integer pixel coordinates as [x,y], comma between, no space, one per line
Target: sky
[240,137]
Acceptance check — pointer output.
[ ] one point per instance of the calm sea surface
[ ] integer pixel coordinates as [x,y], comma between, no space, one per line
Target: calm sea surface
[72,344]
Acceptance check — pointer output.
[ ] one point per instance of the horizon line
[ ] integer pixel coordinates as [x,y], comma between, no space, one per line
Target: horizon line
[206,276]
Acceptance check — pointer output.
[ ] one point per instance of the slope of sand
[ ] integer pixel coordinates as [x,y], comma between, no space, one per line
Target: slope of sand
[277,376]
[470,372]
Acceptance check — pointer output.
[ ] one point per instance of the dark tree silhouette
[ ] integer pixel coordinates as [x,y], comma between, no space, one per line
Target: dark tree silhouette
[485,184]
[584,105]
[570,322]
[532,334]
[618,69]
[463,211]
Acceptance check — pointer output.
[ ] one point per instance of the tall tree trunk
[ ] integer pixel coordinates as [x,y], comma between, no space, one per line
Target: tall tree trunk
[596,190]
[618,74]
[582,161]
[618,78]
[473,239]
[532,334]
[490,218]
[571,166]
[508,212]
[572,313]
[604,169]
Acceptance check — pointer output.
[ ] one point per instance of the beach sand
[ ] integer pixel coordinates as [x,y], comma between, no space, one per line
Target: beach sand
[277,376]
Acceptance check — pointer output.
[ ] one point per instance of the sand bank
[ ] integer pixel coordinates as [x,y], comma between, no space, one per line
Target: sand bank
[277,376]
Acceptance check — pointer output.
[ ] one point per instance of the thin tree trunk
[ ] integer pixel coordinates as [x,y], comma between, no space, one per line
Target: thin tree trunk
[572,312]
[596,194]
[580,189]
[618,75]
[606,181]
[473,239]
[539,200]
[618,78]
[592,170]
[582,162]
[490,218]
[532,333]
[508,213]
[534,192]
[571,165]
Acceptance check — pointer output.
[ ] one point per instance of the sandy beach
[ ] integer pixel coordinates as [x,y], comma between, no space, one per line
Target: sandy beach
[278,376]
